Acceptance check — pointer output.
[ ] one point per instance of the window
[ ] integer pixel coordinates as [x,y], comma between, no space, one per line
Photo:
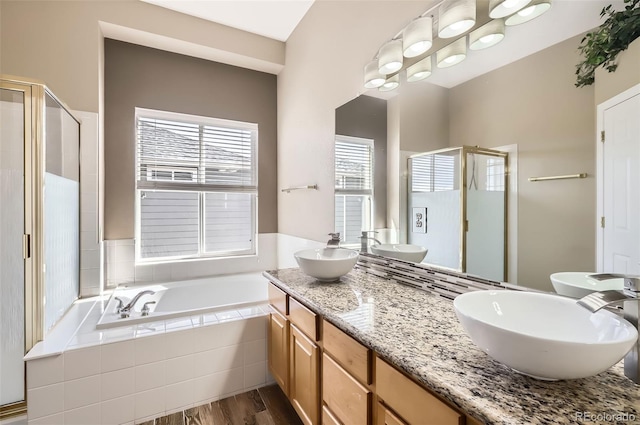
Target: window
[196,183]
[495,174]
[353,187]
[433,173]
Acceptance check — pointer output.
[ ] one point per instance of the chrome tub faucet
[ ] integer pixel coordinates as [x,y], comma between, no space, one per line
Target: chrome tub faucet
[629,298]
[126,310]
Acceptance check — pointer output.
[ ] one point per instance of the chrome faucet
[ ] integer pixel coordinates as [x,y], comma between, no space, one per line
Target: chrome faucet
[126,310]
[629,297]
[334,242]
[364,245]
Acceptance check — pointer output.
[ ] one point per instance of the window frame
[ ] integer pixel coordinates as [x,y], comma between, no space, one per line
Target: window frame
[201,189]
[367,194]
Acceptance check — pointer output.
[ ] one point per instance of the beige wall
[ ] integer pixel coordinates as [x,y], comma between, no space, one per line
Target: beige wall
[137,76]
[424,117]
[59,42]
[533,103]
[325,57]
[626,76]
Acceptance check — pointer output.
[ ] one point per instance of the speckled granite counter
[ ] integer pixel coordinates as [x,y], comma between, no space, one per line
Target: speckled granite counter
[420,334]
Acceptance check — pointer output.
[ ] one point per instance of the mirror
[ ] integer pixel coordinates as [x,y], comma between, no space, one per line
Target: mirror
[528,107]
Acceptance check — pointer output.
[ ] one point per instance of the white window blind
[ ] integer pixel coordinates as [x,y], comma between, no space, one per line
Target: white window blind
[433,173]
[196,179]
[353,187]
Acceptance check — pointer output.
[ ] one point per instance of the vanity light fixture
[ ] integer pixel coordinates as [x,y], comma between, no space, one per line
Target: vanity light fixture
[372,77]
[419,70]
[452,54]
[502,8]
[487,35]
[417,37]
[392,83]
[535,9]
[456,17]
[390,57]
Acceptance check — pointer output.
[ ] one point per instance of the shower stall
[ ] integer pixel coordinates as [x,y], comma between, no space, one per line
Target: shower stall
[457,209]
[39,225]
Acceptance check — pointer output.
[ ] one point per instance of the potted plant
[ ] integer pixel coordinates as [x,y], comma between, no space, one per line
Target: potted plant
[601,46]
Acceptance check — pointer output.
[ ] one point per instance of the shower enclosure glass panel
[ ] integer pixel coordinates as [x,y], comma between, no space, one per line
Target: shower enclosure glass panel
[457,209]
[486,215]
[12,213]
[434,206]
[61,211]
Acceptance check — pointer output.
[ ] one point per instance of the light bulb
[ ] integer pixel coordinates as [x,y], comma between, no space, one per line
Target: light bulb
[487,38]
[526,12]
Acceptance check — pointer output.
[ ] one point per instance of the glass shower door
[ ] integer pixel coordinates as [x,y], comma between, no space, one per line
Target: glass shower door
[12,267]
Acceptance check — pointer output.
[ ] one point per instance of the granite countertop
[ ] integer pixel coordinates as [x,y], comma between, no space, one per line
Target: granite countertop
[420,334]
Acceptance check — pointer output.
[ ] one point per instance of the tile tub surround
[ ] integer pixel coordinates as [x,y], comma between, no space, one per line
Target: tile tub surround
[419,333]
[138,373]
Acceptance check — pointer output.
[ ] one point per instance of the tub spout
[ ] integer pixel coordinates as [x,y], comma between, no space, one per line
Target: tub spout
[126,310]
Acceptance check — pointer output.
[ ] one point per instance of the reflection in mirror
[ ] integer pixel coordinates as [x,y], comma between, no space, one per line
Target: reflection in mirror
[462,225]
[526,103]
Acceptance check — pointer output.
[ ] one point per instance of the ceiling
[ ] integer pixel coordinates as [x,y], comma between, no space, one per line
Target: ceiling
[270,18]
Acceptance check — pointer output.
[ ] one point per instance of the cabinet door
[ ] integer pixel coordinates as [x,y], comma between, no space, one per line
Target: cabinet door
[278,340]
[387,417]
[349,401]
[304,388]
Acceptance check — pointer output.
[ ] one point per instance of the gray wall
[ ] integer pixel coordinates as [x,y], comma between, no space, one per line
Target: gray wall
[137,76]
[366,117]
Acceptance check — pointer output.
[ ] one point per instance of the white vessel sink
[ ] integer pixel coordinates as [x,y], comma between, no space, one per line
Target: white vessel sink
[544,335]
[326,264]
[401,251]
[579,284]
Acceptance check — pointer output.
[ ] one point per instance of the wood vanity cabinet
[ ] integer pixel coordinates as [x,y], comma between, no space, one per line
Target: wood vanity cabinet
[412,403]
[294,356]
[278,347]
[387,417]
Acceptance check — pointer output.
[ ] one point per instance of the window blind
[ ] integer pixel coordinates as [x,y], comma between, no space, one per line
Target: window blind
[354,165]
[197,184]
[433,173]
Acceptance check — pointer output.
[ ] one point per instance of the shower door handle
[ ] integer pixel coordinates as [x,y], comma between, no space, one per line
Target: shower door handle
[26,246]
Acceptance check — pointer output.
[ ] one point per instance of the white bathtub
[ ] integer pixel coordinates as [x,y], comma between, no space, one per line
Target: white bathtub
[187,298]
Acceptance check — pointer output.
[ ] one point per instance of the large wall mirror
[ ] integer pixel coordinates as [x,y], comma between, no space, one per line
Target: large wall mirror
[518,97]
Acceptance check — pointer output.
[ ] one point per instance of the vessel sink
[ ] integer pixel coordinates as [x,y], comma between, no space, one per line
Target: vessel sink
[542,335]
[579,284]
[401,251]
[326,264]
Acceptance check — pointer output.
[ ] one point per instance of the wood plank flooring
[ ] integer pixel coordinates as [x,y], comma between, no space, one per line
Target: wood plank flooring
[264,406]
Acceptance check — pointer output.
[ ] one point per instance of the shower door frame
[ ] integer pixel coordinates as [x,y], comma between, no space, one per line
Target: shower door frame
[31,310]
[464,225]
[34,93]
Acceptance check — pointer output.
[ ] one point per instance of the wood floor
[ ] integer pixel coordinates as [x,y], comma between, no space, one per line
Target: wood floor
[264,406]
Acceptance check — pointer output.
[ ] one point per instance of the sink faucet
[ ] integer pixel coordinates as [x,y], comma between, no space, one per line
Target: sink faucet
[126,310]
[629,297]
[364,245]
[334,242]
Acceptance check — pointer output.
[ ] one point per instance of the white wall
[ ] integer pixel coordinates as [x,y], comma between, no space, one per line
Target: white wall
[325,56]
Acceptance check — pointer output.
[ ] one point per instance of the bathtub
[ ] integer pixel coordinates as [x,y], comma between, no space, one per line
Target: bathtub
[186,298]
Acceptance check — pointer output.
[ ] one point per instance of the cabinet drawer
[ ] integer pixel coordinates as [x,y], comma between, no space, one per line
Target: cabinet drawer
[328,418]
[278,298]
[387,417]
[305,319]
[415,404]
[351,355]
[346,398]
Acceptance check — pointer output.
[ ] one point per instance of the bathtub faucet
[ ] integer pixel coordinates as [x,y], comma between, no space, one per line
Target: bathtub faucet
[629,298]
[126,310]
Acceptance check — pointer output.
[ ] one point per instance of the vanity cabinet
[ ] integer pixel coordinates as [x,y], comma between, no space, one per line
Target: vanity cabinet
[331,378]
[294,355]
[278,347]
[412,403]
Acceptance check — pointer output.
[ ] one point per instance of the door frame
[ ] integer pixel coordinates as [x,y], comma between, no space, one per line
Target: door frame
[600,110]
